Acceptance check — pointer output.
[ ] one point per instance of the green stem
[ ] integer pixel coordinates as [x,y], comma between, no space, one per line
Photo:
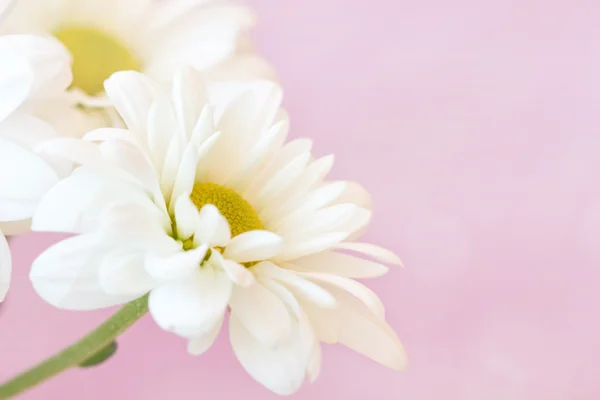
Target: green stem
[80,351]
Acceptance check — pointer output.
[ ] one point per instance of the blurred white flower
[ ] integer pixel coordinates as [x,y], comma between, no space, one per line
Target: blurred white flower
[200,203]
[154,37]
[26,77]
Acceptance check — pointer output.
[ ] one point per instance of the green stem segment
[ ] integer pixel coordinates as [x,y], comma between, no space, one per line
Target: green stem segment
[79,352]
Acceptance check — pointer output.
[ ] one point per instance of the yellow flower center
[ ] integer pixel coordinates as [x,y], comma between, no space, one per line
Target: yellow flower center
[96,56]
[238,212]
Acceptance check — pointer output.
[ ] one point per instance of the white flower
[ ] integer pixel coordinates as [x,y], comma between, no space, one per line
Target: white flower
[24,175]
[202,204]
[155,37]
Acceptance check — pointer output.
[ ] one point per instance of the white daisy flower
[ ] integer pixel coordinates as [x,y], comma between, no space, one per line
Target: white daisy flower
[154,37]
[26,77]
[202,204]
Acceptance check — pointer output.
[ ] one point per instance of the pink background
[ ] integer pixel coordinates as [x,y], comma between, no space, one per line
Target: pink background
[476,125]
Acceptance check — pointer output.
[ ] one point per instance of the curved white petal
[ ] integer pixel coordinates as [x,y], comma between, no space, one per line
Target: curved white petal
[367,334]
[48,58]
[372,250]
[281,369]
[66,275]
[239,274]
[311,245]
[189,98]
[186,217]
[77,203]
[102,134]
[132,94]
[179,265]
[12,210]
[23,175]
[5,267]
[199,344]
[184,181]
[360,291]
[213,228]
[308,290]
[253,246]
[16,80]
[75,150]
[263,314]
[338,264]
[356,194]
[122,273]
[192,306]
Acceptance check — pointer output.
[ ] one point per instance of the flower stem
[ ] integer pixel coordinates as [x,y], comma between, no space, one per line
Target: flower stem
[80,351]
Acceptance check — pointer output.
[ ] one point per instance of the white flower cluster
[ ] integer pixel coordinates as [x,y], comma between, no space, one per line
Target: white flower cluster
[153,133]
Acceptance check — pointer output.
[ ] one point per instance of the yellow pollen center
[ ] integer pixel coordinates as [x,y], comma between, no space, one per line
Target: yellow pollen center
[238,212]
[96,56]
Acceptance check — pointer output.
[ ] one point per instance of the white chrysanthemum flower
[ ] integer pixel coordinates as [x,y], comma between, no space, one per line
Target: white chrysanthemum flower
[154,37]
[202,204]
[25,79]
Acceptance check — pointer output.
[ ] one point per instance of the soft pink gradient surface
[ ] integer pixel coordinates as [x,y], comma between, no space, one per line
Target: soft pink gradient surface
[476,126]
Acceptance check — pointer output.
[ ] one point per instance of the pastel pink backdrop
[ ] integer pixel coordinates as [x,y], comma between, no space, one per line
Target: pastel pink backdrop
[476,126]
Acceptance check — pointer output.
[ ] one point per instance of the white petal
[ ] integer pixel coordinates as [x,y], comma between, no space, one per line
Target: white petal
[324,195]
[26,130]
[171,165]
[281,369]
[102,134]
[280,181]
[312,245]
[253,246]
[357,225]
[368,335]
[316,223]
[374,251]
[189,98]
[204,128]
[263,314]
[23,175]
[258,156]
[122,273]
[357,289]
[75,150]
[15,210]
[356,194]
[5,6]
[184,182]
[213,228]
[76,203]
[192,306]
[133,94]
[49,58]
[339,264]
[186,217]
[133,160]
[308,290]
[66,275]
[323,322]
[292,197]
[5,267]
[160,132]
[16,79]
[131,225]
[314,363]
[175,266]
[238,274]
[199,344]
[314,200]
